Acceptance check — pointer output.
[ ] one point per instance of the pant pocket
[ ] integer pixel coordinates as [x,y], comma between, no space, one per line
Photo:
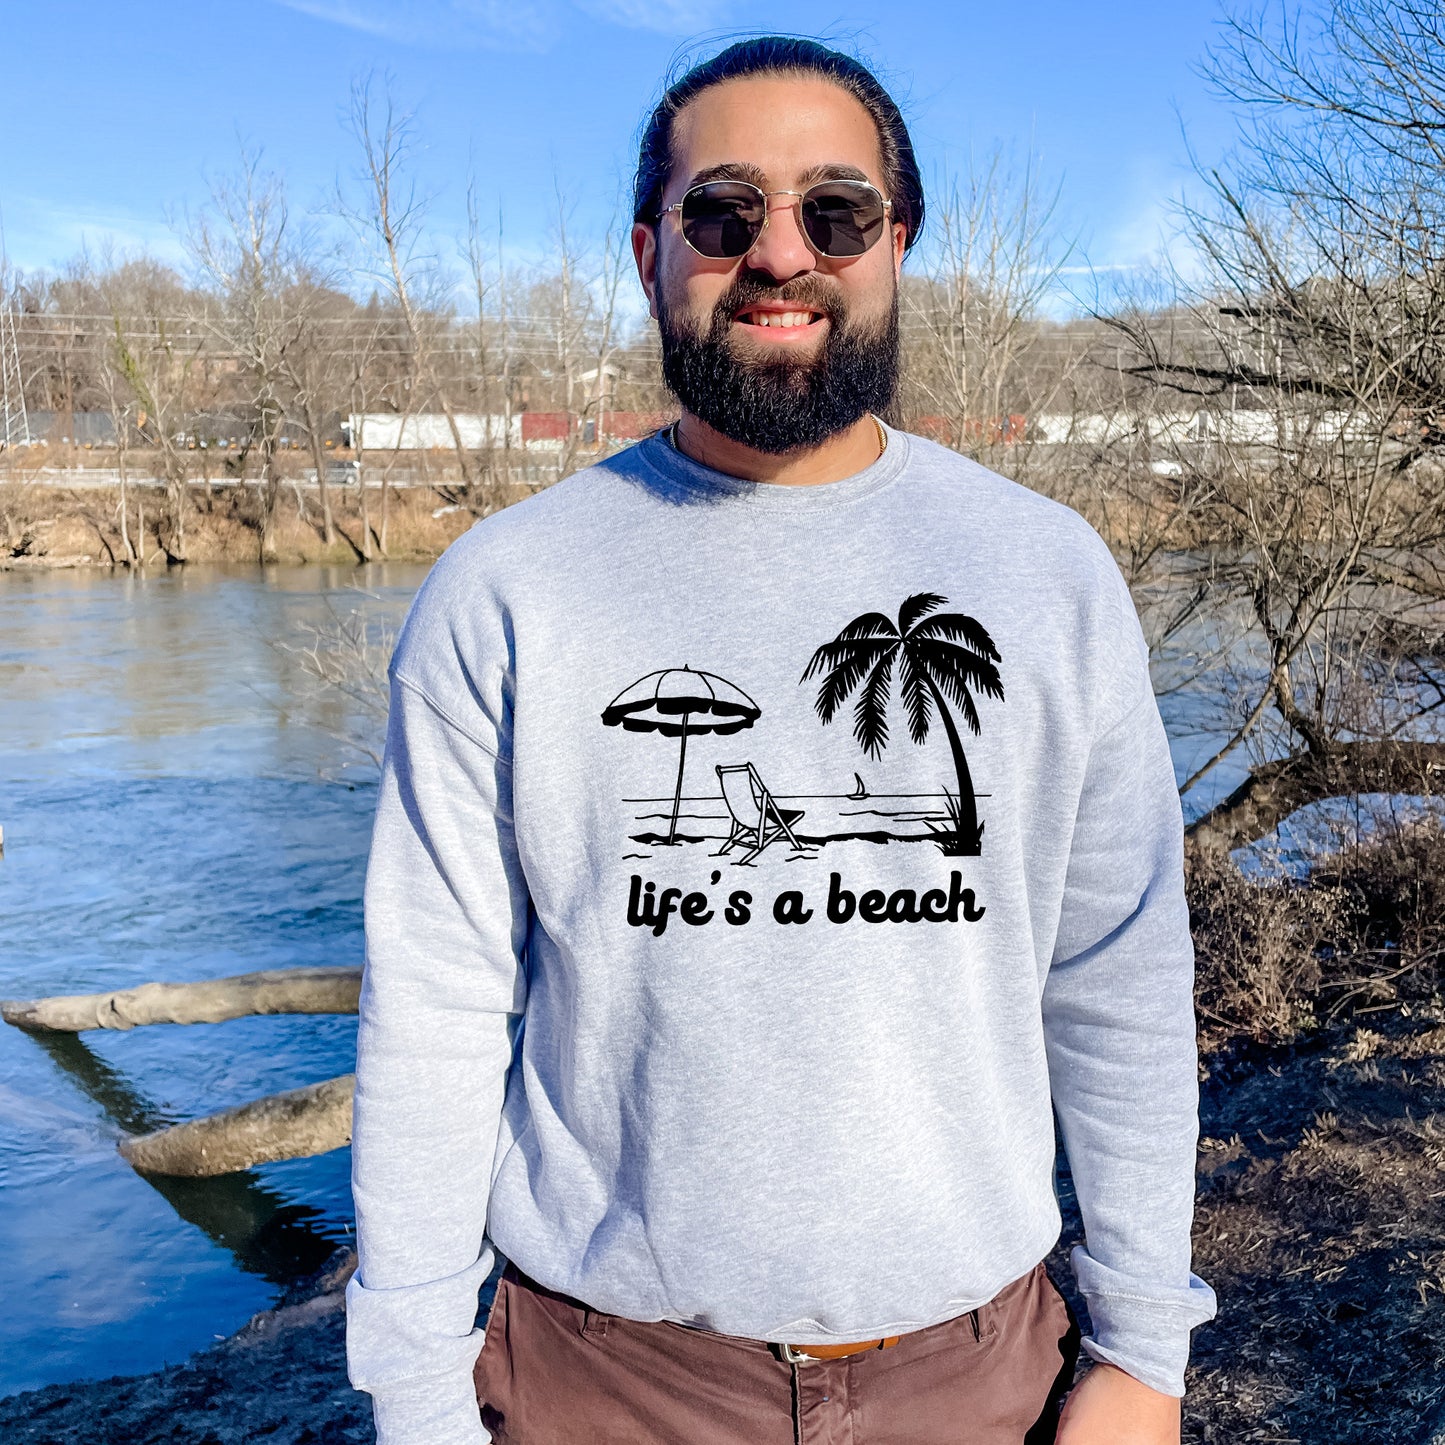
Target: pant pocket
[491,1375]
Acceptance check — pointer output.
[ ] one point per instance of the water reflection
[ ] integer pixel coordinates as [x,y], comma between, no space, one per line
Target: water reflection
[159,765]
[177,672]
[265,1235]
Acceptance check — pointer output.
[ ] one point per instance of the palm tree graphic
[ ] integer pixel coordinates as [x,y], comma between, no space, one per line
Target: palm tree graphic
[939,658]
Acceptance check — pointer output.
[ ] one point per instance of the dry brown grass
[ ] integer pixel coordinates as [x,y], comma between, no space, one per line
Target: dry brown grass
[1320,1220]
[1320,1223]
[1321,1226]
[1278,958]
[42,525]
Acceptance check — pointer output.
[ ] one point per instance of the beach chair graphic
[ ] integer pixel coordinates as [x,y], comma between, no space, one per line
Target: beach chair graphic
[757,820]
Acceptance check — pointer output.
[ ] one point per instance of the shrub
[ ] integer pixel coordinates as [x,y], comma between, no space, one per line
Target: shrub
[1278,956]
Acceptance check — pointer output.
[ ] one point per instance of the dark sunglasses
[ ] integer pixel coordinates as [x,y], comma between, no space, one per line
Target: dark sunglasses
[723,219]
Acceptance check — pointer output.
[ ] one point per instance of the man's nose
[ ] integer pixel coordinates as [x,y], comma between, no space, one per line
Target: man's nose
[781,251]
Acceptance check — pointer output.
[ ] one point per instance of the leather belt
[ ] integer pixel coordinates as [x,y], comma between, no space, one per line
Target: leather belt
[814,1354]
[793,1354]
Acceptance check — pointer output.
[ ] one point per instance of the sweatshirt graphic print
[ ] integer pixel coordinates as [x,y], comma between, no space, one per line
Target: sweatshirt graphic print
[757,871]
[935,658]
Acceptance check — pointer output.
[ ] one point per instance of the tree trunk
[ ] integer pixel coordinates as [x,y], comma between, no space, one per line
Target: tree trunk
[1275,790]
[970,830]
[176,494]
[318,455]
[366,541]
[272,991]
[298,1123]
[124,502]
[173,545]
[270,491]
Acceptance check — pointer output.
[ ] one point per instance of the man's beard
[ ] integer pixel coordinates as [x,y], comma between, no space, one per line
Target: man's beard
[783,404]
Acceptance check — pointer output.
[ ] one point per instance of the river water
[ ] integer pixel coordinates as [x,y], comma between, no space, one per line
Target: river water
[175,805]
[170,811]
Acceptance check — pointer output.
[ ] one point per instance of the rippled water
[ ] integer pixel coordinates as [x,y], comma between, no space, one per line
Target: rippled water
[167,815]
[167,812]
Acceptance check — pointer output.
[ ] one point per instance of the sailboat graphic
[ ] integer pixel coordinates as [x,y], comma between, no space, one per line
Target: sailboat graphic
[859,791]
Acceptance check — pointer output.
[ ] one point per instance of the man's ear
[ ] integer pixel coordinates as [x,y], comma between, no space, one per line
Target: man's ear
[644,252]
[900,245]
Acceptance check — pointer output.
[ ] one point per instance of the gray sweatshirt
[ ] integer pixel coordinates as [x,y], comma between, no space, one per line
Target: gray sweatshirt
[756,871]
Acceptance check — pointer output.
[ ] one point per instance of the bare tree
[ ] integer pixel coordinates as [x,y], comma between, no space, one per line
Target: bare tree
[391,218]
[972,316]
[493,356]
[319,371]
[1333,248]
[359,358]
[151,353]
[241,245]
[347,658]
[121,402]
[1314,362]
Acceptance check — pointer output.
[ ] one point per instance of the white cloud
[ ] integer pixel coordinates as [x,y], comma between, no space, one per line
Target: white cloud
[41,235]
[670,17]
[523,25]
[351,16]
[500,24]
[1137,256]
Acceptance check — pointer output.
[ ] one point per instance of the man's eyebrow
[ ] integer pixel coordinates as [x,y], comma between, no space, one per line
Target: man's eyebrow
[832,171]
[746,171]
[730,171]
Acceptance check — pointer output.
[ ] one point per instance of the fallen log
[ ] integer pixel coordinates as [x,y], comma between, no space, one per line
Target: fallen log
[272,991]
[296,1124]
[1275,790]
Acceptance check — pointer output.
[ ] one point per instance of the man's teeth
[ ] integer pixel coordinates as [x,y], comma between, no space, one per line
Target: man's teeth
[779,318]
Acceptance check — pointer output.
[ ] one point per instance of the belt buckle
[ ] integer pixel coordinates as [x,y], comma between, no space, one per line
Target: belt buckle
[797,1357]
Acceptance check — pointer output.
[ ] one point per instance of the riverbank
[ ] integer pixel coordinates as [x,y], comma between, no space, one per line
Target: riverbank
[46,526]
[66,512]
[280,1378]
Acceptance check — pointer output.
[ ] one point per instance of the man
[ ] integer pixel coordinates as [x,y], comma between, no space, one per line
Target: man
[776,830]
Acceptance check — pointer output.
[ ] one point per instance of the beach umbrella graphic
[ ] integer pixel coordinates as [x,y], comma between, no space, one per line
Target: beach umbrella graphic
[675,702]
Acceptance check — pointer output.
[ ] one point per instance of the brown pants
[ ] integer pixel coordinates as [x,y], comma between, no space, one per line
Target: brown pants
[553,1372]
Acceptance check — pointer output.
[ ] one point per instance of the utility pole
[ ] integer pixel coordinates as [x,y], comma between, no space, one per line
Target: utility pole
[14,422]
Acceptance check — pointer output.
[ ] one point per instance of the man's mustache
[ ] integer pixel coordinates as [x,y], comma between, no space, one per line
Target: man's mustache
[806,292]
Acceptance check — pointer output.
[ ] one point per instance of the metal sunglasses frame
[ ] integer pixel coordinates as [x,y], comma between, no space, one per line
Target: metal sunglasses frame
[767,211]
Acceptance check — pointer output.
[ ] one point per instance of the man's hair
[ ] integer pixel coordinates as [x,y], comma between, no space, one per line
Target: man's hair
[782,55]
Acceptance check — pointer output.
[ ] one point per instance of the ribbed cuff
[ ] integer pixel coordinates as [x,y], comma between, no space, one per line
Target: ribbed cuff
[431,1410]
[1146,1334]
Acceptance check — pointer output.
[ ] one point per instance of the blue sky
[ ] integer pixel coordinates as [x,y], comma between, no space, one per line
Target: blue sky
[115,114]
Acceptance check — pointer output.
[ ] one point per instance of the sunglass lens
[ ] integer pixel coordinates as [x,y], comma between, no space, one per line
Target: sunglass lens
[842,219]
[722,218]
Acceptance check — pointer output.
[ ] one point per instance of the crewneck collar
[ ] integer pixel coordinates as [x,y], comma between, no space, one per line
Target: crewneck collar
[677,468]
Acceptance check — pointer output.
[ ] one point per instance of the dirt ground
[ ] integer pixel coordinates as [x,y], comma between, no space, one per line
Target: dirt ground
[1320,1224]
